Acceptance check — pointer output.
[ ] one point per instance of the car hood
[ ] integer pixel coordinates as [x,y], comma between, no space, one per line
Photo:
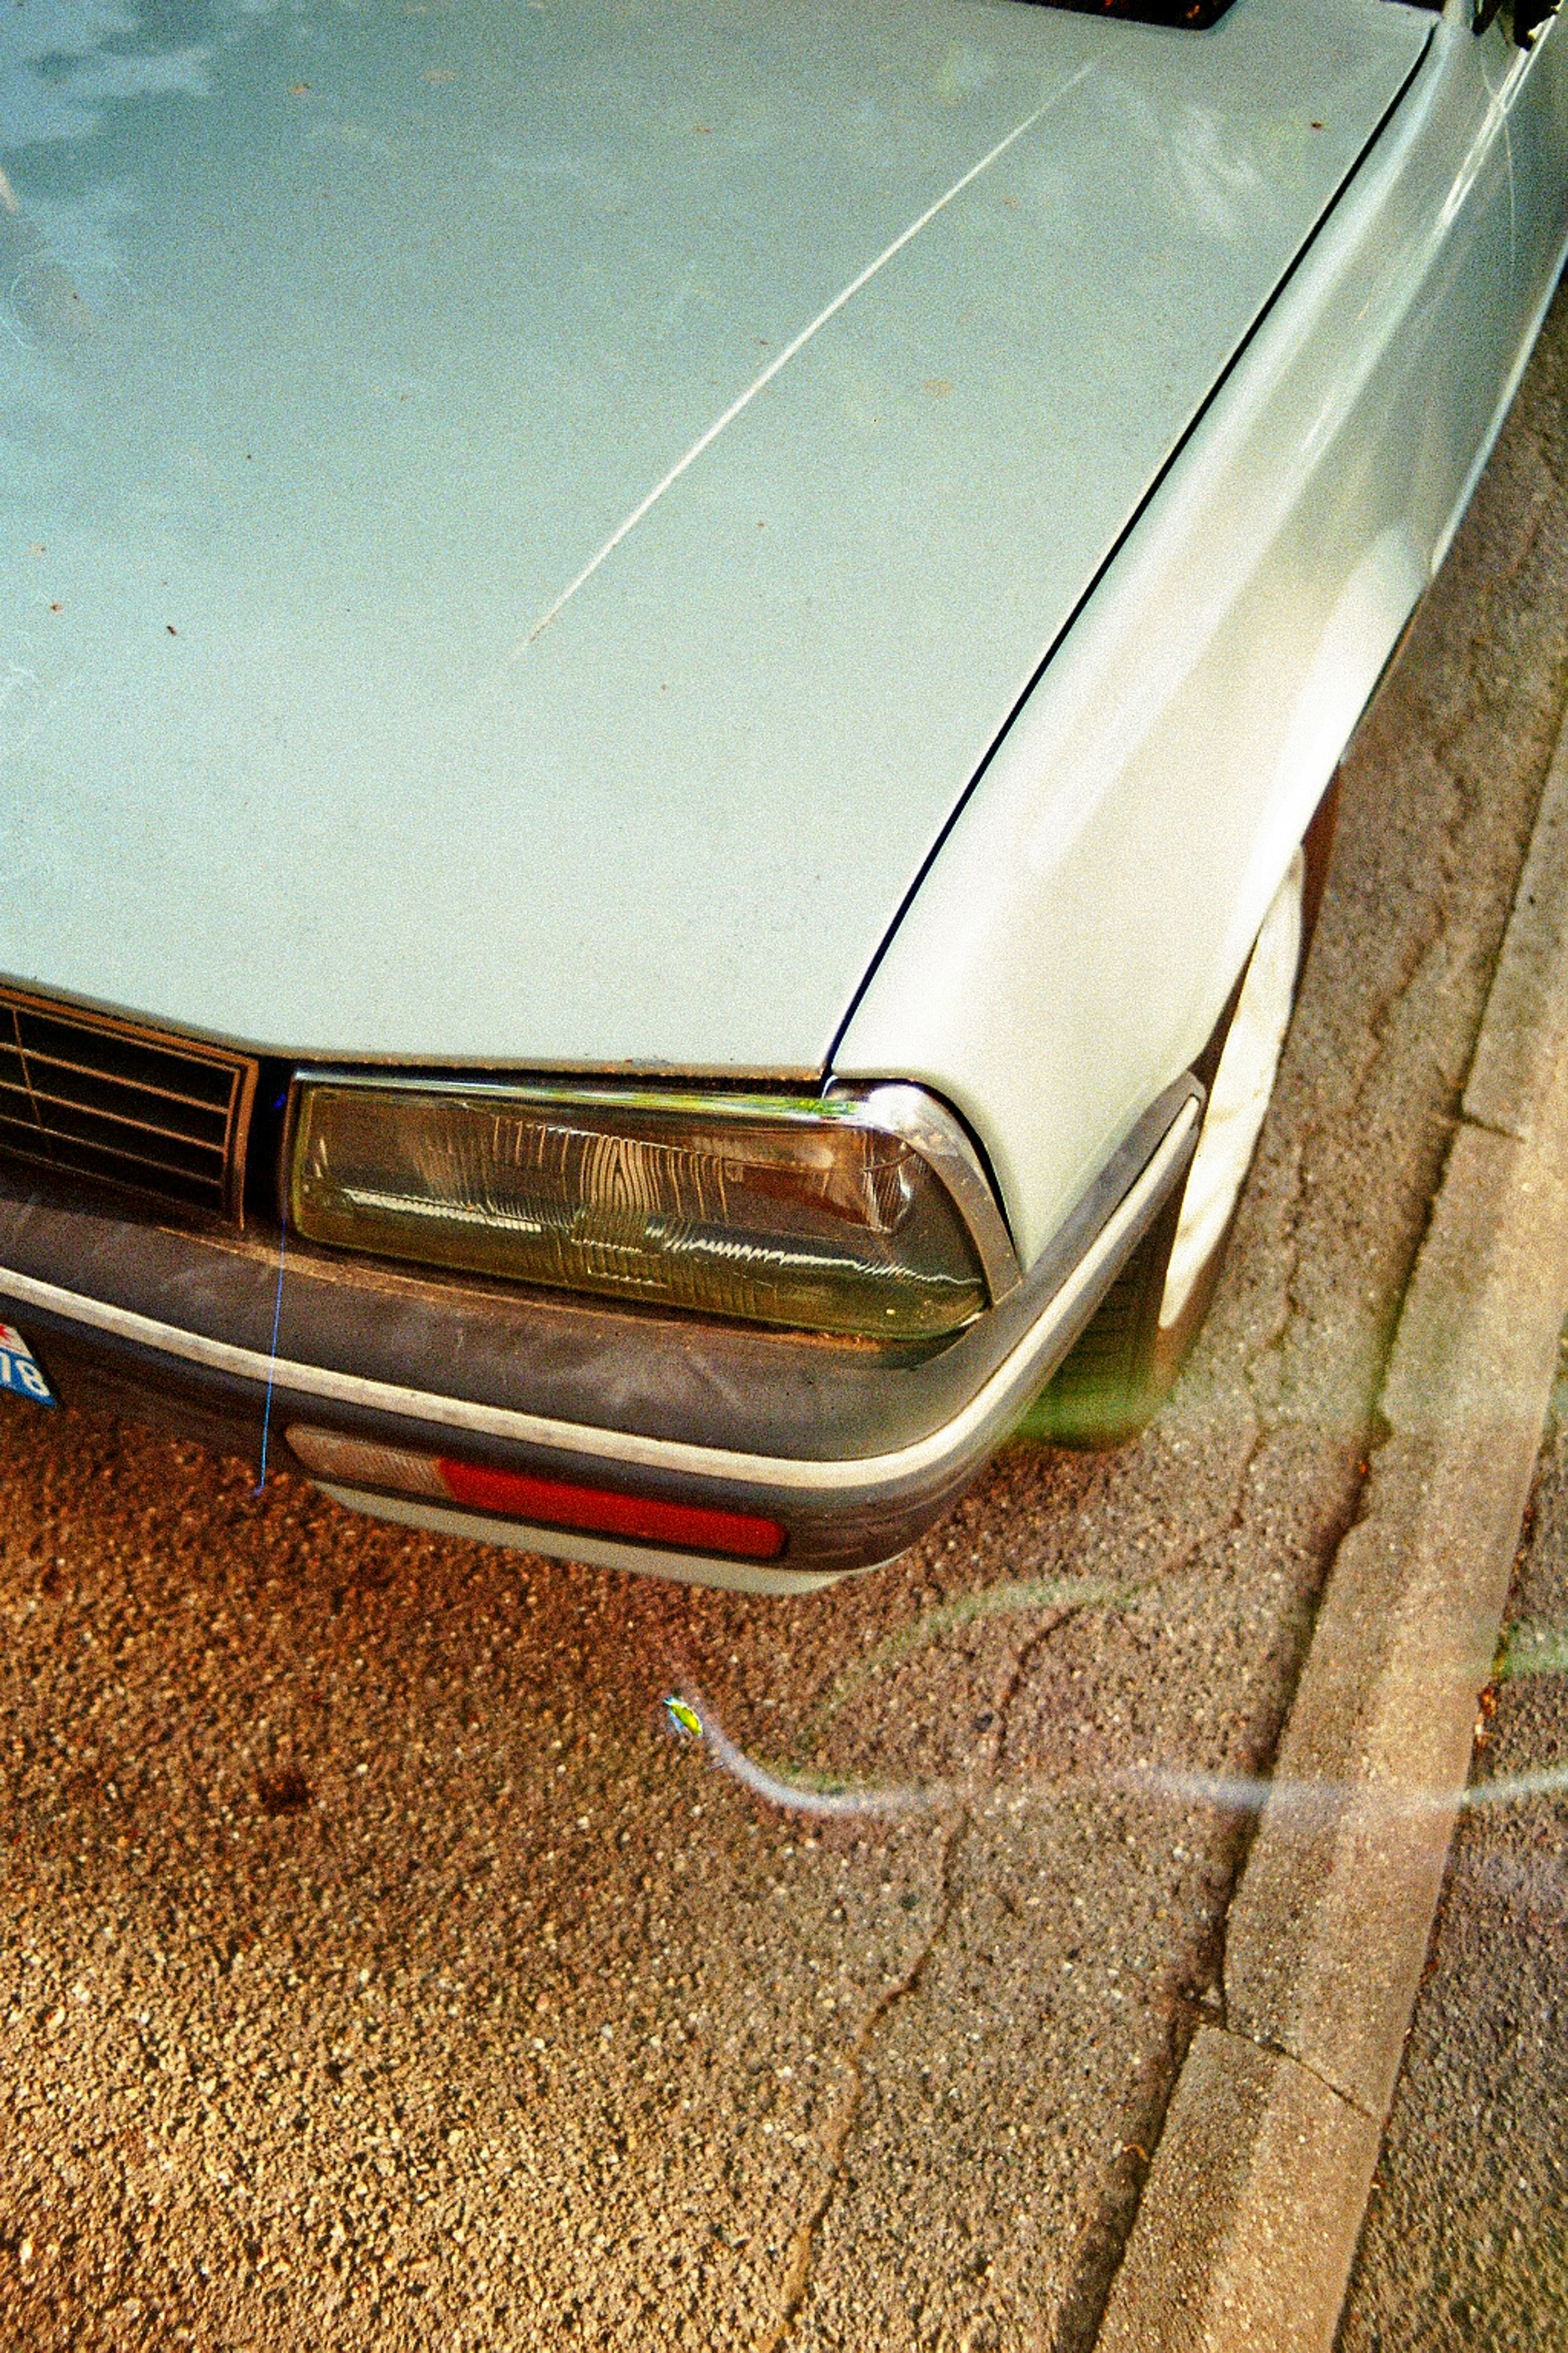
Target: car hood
[521,522]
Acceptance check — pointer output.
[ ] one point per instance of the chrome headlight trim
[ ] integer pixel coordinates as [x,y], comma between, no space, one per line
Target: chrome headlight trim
[895,1107]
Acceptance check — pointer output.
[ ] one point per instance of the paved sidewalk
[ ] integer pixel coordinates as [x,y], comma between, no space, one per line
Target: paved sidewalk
[1465,2248]
[1247,2228]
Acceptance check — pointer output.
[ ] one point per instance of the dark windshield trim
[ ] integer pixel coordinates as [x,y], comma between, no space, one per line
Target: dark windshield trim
[1185,15]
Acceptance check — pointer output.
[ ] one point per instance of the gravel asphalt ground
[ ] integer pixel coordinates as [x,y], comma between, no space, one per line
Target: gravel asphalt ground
[1465,2247]
[378,1965]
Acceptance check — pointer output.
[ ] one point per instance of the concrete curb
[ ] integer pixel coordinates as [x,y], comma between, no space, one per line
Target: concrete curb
[1250,2218]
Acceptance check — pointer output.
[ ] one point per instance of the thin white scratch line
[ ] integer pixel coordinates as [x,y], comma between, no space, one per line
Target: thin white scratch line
[783,358]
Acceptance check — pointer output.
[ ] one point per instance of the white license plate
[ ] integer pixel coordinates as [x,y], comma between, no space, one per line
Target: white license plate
[19,1368]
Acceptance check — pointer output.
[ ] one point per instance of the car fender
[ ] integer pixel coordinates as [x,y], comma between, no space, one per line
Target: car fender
[1077,931]
[1363,628]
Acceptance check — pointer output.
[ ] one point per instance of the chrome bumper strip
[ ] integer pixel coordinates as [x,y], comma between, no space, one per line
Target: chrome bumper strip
[596,1551]
[915,1465]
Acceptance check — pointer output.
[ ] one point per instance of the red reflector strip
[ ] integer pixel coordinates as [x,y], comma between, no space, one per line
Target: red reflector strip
[600,1511]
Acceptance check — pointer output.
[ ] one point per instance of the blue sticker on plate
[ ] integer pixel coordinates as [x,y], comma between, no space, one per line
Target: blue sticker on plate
[19,1368]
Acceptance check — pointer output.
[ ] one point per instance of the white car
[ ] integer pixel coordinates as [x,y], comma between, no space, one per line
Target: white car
[669,681]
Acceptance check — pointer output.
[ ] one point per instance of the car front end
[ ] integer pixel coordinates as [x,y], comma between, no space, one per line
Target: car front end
[641,742]
[754,1339]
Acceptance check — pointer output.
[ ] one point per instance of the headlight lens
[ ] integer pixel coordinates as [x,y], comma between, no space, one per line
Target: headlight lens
[814,1213]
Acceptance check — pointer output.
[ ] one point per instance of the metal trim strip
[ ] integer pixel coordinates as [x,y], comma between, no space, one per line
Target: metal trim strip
[914,1465]
[598,1552]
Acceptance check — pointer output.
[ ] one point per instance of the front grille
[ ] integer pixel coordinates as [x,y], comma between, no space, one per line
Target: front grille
[123,1105]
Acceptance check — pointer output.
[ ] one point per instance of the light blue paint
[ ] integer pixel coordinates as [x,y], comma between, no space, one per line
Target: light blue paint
[334,343]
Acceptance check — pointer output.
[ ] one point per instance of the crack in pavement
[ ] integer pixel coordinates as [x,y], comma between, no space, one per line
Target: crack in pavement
[1294,2059]
[1292,1213]
[1032,1644]
[836,2139]
[1497,1127]
[1467,805]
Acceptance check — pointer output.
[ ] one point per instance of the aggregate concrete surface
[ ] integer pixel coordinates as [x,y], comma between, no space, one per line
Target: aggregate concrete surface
[376,1965]
[1465,2244]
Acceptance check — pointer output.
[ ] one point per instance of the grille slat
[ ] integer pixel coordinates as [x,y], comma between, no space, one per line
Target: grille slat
[160,1147]
[138,1168]
[52,1110]
[38,1063]
[95,1098]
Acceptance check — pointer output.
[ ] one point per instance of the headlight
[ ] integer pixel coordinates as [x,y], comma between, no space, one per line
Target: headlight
[863,1214]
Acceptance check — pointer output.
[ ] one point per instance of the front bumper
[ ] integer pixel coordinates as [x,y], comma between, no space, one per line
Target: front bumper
[854,1450]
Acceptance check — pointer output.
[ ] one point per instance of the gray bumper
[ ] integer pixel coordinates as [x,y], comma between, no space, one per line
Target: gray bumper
[855,1450]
